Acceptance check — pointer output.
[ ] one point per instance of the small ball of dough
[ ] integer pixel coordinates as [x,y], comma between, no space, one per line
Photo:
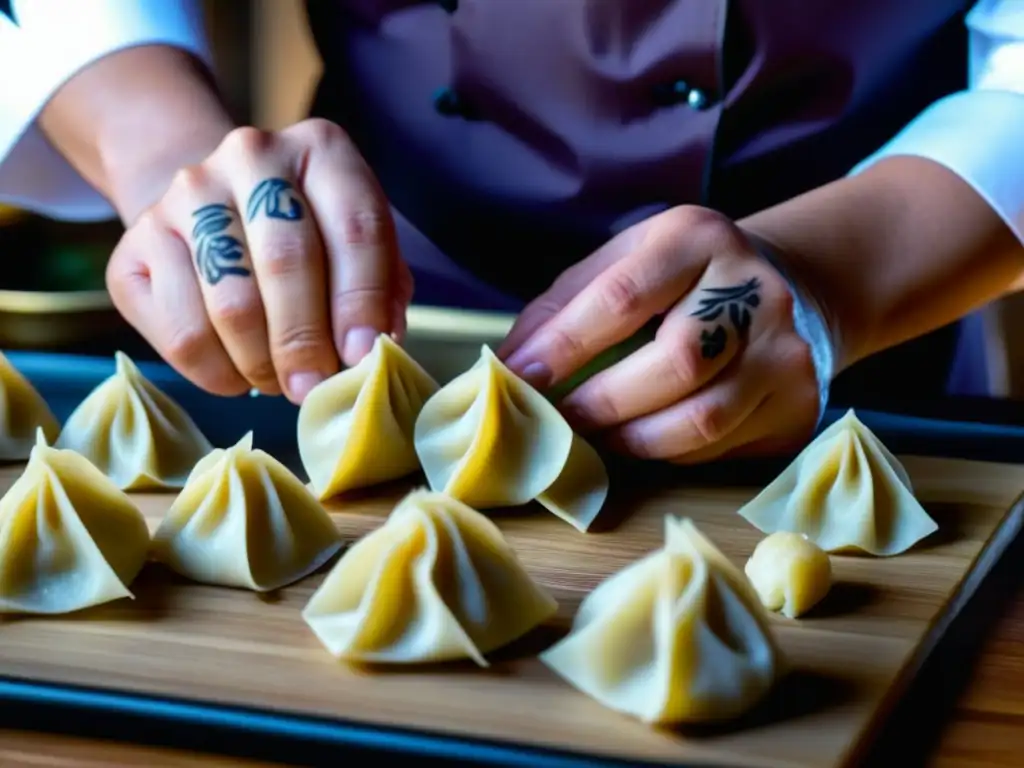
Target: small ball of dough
[790,573]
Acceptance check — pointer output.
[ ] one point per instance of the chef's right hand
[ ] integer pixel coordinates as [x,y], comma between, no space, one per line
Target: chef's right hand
[267,265]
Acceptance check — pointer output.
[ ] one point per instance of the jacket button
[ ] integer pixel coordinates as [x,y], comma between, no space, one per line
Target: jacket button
[696,99]
[669,94]
[448,103]
[451,6]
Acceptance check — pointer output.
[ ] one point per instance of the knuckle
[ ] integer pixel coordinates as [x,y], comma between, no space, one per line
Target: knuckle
[710,421]
[186,343]
[284,254]
[622,295]
[301,341]
[684,362]
[248,141]
[365,226]
[319,132]
[236,313]
[191,180]
[565,346]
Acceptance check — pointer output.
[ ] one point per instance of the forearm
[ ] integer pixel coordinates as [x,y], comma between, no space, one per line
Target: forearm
[132,119]
[894,252]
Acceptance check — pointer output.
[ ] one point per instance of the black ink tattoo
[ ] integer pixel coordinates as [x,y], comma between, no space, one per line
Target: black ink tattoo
[276,199]
[7,9]
[217,255]
[712,343]
[737,302]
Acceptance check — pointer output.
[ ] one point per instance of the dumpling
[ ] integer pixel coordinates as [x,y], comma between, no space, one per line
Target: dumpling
[356,428]
[134,433]
[491,440]
[678,636]
[845,491]
[244,520]
[69,538]
[790,573]
[436,582]
[22,412]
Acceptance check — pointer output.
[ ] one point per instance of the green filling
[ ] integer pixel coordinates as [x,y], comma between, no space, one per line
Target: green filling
[604,360]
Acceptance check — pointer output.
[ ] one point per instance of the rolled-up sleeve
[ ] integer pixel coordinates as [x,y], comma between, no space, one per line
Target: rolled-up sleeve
[979,133]
[43,43]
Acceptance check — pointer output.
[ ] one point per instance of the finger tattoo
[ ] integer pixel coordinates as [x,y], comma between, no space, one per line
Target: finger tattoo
[218,254]
[736,304]
[276,199]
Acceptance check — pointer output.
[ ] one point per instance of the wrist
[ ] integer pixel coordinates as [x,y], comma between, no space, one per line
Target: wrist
[129,121]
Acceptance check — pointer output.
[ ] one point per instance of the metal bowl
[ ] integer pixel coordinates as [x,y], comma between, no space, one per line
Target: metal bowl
[449,339]
[53,319]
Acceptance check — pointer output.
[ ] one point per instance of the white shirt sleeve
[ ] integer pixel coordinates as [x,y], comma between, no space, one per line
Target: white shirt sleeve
[42,47]
[979,133]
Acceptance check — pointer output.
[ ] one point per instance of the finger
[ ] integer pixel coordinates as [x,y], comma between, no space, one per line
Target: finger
[153,285]
[287,257]
[757,437]
[565,287]
[202,212]
[699,422]
[612,307]
[365,270]
[698,338]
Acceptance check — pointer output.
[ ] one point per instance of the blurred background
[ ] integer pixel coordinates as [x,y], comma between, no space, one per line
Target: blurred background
[52,294]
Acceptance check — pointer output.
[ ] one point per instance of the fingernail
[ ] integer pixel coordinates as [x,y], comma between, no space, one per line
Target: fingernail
[300,384]
[358,343]
[537,375]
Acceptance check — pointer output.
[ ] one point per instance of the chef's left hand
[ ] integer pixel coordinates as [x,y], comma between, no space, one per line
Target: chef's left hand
[726,375]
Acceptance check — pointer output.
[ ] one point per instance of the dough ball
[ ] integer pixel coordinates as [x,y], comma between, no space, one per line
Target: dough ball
[790,573]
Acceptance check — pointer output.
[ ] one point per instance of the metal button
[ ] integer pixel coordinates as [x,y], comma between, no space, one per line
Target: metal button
[668,94]
[696,99]
[451,6]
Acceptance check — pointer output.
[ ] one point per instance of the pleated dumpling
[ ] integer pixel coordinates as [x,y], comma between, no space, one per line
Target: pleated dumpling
[69,537]
[845,491]
[356,428]
[436,582]
[22,412]
[677,637]
[135,434]
[244,520]
[491,440]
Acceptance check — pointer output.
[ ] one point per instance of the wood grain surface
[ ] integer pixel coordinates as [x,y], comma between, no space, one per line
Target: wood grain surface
[189,640]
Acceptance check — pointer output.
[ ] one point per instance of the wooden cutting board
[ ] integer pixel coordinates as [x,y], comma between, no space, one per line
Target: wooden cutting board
[851,658]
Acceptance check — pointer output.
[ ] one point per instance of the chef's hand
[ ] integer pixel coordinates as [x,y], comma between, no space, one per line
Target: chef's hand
[265,264]
[726,374]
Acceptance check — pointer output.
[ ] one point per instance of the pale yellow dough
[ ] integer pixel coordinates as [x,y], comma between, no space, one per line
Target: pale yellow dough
[244,520]
[491,440]
[679,636]
[790,572]
[845,491]
[22,412]
[137,436]
[69,538]
[436,582]
[356,429]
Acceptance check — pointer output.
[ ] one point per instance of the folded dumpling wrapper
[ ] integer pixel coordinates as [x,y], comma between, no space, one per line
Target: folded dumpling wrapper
[679,636]
[244,520]
[845,491]
[135,434]
[437,582]
[491,440]
[22,412]
[356,428]
[69,537]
